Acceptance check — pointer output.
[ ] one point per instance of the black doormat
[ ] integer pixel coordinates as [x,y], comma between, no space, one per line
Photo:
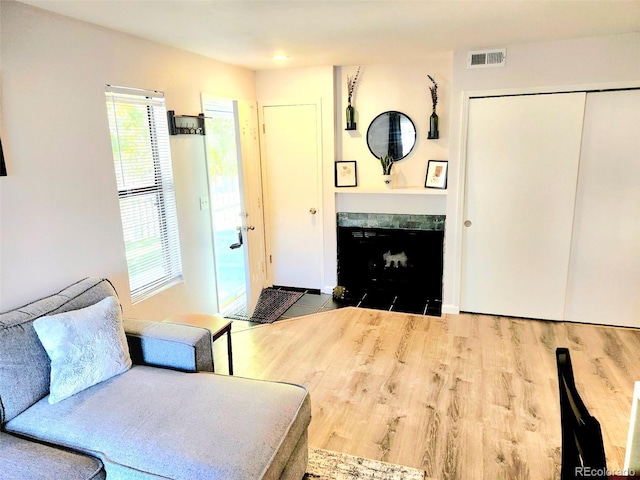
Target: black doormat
[273,303]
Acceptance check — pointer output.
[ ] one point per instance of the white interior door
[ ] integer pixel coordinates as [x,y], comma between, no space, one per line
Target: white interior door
[291,150]
[604,279]
[522,166]
[253,221]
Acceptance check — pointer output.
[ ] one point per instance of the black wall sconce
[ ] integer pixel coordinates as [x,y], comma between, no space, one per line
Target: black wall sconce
[433,119]
[351,113]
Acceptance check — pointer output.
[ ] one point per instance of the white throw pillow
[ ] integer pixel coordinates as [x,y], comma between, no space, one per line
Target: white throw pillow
[85,346]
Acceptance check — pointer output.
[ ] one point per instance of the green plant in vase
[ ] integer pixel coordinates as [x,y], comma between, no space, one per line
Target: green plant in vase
[387,164]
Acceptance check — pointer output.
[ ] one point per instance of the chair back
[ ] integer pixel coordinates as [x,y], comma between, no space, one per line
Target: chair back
[582,447]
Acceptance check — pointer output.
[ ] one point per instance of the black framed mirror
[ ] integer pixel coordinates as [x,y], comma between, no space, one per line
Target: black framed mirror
[391,133]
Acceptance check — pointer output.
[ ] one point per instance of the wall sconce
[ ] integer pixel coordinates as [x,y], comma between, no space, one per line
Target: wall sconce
[433,119]
[351,113]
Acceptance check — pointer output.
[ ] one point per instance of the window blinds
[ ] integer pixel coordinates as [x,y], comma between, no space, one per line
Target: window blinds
[142,160]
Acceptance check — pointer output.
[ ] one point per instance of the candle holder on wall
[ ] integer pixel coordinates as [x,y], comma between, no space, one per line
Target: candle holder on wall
[351,112]
[433,119]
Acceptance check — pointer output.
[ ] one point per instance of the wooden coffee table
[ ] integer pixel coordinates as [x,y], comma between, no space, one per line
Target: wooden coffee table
[218,326]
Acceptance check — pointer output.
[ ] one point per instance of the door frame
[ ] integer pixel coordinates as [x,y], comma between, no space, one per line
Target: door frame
[317,103]
[454,229]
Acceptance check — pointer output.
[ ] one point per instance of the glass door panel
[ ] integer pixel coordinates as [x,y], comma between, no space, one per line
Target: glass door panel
[226,199]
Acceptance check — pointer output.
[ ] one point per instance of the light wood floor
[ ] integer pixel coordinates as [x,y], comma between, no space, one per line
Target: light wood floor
[462,396]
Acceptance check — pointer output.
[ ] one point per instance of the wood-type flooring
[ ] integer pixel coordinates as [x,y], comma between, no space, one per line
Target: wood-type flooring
[459,396]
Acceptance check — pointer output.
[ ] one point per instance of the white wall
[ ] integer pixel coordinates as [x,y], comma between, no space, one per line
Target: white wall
[60,218]
[59,213]
[402,87]
[382,87]
[550,66]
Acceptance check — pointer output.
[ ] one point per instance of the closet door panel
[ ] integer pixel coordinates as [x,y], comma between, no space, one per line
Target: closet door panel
[604,279]
[522,164]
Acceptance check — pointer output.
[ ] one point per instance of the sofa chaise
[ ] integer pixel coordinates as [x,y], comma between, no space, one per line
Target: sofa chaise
[166,416]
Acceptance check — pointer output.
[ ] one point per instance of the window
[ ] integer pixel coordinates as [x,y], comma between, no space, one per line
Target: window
[142,159]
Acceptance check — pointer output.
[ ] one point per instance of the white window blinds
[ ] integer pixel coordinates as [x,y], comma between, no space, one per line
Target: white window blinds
[142,159]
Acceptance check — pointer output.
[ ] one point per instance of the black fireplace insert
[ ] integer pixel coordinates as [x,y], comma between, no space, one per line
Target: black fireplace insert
[391,269]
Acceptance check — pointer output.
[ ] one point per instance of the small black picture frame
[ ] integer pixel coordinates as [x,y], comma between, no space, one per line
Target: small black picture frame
[346,173]
[437,171]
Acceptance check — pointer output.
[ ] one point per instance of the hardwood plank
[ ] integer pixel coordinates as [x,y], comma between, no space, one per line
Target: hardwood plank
[461,396]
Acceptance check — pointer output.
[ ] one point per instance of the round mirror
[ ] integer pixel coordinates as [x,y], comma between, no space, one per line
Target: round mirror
[391,133]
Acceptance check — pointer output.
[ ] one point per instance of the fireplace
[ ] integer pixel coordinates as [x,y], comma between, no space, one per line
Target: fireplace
[391,262]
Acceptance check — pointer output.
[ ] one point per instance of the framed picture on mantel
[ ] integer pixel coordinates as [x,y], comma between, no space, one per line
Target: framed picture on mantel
[346,173]
[436,174]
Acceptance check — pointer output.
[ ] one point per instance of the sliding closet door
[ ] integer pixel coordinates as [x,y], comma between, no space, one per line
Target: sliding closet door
[604,279]
[522,167]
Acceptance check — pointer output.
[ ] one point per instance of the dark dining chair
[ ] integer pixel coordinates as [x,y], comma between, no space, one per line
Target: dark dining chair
[582,447]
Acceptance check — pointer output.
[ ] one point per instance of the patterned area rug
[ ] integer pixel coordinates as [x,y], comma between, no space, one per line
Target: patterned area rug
[273,303]
[326,465]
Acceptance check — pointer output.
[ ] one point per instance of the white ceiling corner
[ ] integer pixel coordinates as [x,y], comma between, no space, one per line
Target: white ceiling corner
[348,32]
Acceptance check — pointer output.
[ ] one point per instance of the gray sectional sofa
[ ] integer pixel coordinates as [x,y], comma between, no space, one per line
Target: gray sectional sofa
[167,416]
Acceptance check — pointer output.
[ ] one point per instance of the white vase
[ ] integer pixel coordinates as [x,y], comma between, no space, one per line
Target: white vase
[388,180]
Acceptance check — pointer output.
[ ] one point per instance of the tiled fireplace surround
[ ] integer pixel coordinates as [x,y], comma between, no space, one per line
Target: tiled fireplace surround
[391,261]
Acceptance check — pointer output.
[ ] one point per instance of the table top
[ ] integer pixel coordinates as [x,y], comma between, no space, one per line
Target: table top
[212,323]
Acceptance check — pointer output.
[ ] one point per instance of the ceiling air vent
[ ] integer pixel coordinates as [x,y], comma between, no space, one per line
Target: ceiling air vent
[487,58]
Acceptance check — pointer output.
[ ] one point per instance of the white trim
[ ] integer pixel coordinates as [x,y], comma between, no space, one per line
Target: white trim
[328,289]
[585,87]
[133,91]
[451,309]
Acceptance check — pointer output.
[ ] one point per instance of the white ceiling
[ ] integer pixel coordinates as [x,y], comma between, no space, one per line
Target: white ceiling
[348,32]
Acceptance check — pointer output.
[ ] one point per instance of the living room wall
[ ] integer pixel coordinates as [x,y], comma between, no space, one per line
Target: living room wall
[402,87]
[313,84]
[60,217]
[599,62]
[381,87]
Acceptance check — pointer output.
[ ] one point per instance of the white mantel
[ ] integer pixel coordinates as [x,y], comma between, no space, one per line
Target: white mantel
[410,200]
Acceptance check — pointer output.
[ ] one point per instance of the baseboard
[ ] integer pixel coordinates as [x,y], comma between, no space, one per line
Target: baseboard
[451,309]
[328,289]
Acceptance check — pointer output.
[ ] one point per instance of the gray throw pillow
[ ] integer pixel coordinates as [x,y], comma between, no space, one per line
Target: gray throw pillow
[85,346]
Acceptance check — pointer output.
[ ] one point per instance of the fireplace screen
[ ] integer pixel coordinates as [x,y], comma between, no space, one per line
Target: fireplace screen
[391,269]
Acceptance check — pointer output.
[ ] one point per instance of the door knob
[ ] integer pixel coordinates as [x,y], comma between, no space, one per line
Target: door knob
[312,211]
[467,223]
[250,227]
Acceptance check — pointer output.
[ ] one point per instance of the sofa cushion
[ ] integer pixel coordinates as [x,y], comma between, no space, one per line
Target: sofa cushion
[25,460]
[24,364]
[85,347]
[178,425]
